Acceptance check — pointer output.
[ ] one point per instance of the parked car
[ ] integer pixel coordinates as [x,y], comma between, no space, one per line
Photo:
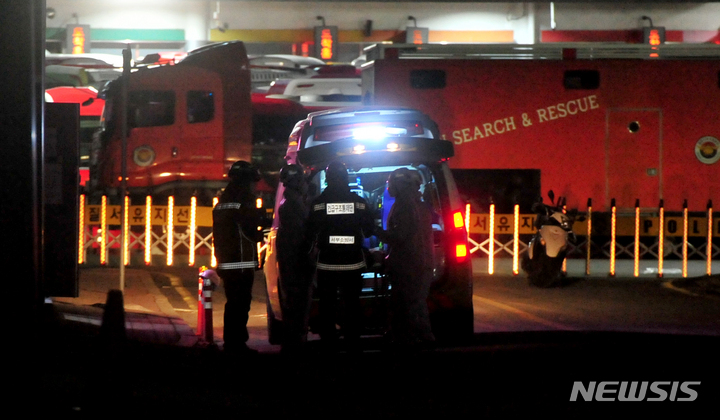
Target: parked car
[317,92]
[265,69]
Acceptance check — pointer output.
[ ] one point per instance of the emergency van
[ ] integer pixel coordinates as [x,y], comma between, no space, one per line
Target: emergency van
[373,142]
[598,121]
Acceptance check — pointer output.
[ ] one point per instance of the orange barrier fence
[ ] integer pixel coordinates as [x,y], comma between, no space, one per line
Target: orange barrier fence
[638,234]
[166,231]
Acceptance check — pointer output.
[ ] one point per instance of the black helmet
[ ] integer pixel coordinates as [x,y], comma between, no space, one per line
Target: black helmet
[403,179]
[336,173]
[242,171]
[292,175]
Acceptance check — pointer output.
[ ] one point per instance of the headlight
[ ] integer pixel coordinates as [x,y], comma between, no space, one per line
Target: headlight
[143,156]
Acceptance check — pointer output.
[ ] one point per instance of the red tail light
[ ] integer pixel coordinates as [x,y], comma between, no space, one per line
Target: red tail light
[458,220]
[461,251]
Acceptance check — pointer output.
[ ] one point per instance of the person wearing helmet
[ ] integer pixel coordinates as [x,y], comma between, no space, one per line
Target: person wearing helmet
[237,227]
[292,250]
[338,223]
[409,261]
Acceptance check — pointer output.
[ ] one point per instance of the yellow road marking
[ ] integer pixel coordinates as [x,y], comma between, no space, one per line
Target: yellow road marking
[526,315]
[669,285]
[189,298]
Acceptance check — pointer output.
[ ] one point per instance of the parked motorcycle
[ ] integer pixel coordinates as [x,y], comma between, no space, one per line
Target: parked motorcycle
[544,256]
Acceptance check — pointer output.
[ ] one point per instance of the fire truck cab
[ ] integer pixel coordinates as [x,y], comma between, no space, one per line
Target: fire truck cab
[373,142]
[187,123]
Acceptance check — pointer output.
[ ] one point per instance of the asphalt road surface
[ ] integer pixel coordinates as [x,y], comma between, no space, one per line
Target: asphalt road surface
[506,303]
[531,349]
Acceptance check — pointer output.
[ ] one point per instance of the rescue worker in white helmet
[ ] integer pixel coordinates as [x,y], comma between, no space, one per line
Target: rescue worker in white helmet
[292,256]
[409,262]
[339,221]
[237,228]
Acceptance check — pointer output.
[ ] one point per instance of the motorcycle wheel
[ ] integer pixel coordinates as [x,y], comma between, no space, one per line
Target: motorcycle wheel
[544,271]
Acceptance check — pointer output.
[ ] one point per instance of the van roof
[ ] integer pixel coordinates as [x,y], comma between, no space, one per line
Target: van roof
[331,134]
[364,113]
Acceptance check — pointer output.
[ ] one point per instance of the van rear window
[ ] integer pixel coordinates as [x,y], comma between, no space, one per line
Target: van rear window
[371,184]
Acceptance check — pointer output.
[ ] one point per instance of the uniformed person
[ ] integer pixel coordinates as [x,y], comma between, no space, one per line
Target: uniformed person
[409,262]
[237,228]
[292,255]
[339,221]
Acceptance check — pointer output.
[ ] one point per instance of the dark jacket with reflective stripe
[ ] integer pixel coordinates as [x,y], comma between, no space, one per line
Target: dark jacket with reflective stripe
[339,222]
[409,235]
[235,229]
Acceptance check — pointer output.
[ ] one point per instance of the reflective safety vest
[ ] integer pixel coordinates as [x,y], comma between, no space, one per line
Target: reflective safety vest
[339,222]
[235,232]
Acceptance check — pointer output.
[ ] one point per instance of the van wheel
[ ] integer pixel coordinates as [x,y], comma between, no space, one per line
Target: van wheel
[454,326]
[275,326]
[453,321]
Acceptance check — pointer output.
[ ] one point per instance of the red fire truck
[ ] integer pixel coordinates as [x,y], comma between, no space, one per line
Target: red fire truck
[187,123]
[185,127]
[590,121]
